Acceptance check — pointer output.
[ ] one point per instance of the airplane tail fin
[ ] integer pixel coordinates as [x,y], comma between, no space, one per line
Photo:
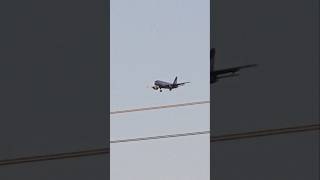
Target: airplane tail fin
[212,54]
[175,80]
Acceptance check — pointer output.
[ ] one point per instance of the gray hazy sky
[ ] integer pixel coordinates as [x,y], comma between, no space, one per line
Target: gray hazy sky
[150,40]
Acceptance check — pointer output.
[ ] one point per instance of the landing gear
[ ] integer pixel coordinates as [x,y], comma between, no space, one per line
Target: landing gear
[160,90]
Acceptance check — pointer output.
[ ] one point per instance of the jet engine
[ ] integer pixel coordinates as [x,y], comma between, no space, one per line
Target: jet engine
[155,87]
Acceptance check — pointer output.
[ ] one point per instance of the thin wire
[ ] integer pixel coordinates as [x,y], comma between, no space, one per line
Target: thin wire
[160,137]
[160,107]
[213,139]
[267,132]
[68,155]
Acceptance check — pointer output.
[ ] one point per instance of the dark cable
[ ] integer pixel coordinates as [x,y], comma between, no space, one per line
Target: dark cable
[220,138]
[159,107]
[267,132]
[160,137]
[68,155]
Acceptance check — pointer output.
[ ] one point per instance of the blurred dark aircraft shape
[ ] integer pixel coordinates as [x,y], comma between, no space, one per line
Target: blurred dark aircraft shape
[166,85]
[215,75]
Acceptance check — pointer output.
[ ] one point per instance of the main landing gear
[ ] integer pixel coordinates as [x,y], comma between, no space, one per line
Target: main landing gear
[160,90]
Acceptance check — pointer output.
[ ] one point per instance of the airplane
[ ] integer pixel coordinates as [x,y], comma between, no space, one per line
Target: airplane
[215,75]
[166,85]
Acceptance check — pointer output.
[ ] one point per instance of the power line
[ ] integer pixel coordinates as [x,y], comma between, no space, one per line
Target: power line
[160,137]
[68,155]
[160,107]
[234,136]
[266,132]
[213,139]
[93,152]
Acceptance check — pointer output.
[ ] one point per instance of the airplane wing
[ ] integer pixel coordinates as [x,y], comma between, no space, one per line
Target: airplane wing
[181,84]
[228,72]
[232,70]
